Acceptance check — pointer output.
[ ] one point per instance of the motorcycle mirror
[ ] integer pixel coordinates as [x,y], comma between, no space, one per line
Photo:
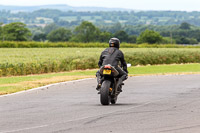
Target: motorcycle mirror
[128,65]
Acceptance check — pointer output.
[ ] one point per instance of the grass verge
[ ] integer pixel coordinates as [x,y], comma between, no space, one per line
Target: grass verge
[19,83]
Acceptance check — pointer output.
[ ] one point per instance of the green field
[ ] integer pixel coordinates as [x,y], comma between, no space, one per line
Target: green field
[25,61]
[85,18]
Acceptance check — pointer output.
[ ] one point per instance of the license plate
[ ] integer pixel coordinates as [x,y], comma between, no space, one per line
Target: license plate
[107,72]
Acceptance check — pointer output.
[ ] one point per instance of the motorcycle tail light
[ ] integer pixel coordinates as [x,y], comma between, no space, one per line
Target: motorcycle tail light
[109,67]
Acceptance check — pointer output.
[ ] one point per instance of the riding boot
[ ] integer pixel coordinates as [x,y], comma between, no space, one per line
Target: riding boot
[98,81]
[120,82]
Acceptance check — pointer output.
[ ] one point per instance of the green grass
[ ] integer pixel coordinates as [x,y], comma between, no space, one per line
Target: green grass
[29,55]
[165,69]
[19,83]
[17,79]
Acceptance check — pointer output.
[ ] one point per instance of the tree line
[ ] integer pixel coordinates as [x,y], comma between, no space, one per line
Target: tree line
[88,32]
[72,18]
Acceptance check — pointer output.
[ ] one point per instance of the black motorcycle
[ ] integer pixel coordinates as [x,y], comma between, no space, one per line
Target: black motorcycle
[109,90]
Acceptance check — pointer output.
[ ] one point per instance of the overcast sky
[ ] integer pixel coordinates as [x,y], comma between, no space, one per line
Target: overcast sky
[187,5]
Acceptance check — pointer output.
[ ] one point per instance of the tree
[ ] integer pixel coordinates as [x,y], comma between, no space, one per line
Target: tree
[149,36]
[86,32]
[1,31]
[39,37]
[16,31]
[193,41]
[105,36]
[55,19]
[168,40]
[47,29]
[122,35]
[63,23]
[132,39]
[185,40]
[59,35]
[185,26]
[116,27]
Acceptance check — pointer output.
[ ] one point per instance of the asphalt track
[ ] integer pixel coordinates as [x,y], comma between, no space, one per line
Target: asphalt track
[149,104]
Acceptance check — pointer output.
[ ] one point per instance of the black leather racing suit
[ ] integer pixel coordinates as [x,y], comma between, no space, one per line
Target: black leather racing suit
[114,57]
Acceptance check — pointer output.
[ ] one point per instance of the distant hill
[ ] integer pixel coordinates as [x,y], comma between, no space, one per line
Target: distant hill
[58,7]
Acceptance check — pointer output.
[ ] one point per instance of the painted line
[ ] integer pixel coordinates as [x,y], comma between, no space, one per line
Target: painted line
[24,129]
[45,87]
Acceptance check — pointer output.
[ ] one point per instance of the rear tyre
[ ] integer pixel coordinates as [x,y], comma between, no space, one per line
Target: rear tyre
[104,93]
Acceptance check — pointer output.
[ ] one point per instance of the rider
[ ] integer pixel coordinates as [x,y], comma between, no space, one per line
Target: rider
[114,57]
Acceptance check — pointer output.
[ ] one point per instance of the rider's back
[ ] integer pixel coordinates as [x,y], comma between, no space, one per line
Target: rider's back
[111,56]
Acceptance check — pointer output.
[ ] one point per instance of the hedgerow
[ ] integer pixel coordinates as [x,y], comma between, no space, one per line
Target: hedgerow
[32,44]
[25,61]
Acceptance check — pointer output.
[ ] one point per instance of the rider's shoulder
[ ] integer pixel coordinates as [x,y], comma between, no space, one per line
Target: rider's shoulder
[106,49]
[120,51]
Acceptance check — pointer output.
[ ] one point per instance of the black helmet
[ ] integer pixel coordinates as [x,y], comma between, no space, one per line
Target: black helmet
[114,42]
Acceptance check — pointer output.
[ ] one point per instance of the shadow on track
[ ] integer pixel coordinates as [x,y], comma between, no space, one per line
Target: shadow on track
[119,104]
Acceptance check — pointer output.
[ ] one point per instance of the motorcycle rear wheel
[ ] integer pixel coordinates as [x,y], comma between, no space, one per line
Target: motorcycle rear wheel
[104,93]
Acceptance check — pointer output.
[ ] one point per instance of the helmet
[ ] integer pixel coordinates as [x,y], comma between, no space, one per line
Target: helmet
[114,42]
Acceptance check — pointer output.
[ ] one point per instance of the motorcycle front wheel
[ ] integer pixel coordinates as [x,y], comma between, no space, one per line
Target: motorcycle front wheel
[104,93]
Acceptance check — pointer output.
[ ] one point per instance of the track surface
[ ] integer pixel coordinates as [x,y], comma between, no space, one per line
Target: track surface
[149,104]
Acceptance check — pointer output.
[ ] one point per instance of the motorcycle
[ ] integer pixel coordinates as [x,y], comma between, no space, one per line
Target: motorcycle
[109,90]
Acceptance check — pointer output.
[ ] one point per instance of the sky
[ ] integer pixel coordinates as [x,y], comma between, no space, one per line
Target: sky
[183,5]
